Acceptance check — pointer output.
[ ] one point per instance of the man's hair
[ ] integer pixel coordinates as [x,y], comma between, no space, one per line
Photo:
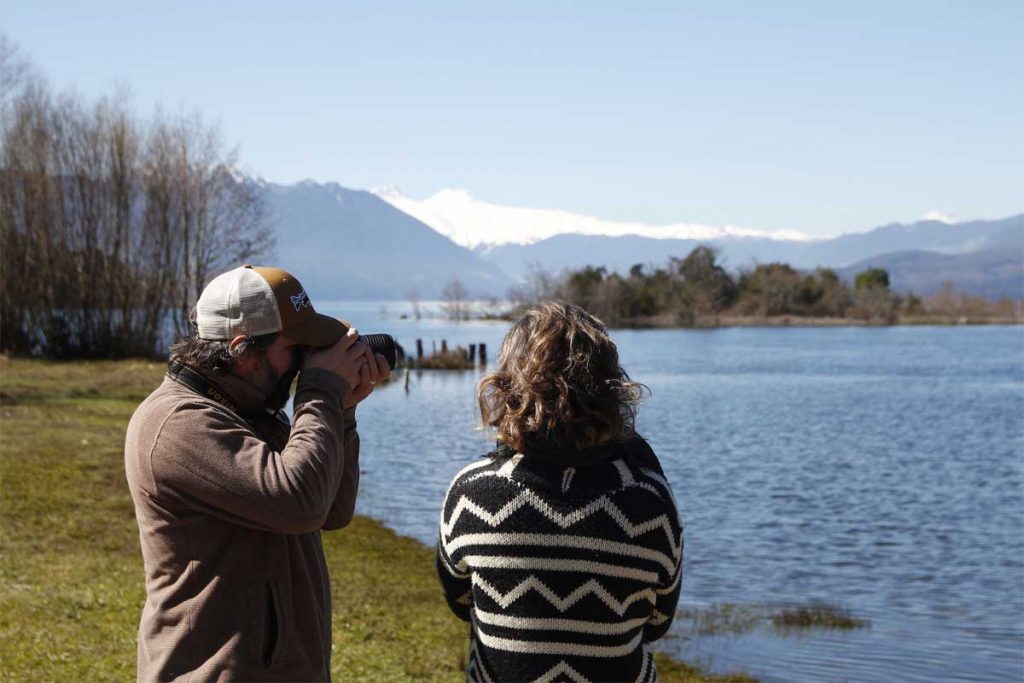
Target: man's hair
[558,380]
[216,355]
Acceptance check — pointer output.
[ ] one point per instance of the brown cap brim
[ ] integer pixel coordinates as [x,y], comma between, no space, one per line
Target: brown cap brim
[320,330]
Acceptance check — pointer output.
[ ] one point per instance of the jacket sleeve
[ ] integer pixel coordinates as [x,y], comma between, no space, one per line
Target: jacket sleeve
[668,589]
[455,577]
[209,459]
[344,505]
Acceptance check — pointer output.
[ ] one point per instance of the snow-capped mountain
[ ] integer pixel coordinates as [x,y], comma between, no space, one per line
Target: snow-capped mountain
[477,224]
[350,245]
[939,217]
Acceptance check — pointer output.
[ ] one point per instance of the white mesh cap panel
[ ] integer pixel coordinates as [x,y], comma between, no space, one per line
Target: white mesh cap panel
[238,302]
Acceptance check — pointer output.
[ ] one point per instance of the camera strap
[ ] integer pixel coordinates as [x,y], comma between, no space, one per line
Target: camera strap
[183,374]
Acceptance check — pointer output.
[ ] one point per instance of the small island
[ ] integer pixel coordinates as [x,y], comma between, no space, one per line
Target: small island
[697,291]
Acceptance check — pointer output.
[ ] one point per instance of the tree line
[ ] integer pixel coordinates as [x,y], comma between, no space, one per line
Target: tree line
[110,224]
[698,290]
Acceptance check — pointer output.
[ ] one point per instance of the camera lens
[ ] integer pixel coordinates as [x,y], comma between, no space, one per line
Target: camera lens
[385,345]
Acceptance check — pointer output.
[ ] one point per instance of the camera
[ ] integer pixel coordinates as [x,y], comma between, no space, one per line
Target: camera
[385,345]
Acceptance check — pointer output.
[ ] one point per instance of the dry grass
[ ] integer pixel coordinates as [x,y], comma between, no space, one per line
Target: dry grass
[738,620]
[452,359]
[817,616]
[722,619]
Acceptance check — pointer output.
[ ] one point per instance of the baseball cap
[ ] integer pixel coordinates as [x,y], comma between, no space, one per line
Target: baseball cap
[256,300]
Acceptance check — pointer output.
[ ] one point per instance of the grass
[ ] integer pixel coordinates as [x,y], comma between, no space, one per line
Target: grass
[71,577]
[737,620]
[817,616]
[722,619]
[452,359]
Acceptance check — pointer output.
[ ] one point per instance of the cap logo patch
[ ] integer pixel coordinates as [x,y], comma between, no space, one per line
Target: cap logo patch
[300,301]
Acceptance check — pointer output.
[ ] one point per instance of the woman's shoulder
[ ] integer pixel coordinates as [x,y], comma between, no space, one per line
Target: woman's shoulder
[640,453]
[488,466]
[645,470]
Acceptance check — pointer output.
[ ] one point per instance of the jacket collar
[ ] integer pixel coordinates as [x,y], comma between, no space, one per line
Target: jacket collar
[248,398]
[544,450]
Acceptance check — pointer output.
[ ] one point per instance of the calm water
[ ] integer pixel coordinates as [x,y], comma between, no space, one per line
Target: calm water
[880,470]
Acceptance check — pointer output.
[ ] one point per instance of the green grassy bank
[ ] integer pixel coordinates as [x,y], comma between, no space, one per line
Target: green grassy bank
[71,582]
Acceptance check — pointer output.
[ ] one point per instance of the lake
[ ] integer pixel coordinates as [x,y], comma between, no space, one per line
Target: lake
[880,470]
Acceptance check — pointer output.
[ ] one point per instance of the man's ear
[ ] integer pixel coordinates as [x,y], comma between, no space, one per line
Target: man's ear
[235,343]
[243,363]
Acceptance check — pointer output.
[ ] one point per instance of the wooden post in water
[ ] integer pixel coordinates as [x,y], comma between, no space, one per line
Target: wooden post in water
[419,350]
[472,354]
[483,354]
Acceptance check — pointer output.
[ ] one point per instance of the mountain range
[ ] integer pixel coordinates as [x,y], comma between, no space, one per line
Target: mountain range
[353,244]
[477,224]
[969,251]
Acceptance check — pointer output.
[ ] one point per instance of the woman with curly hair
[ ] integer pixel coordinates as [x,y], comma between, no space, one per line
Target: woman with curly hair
[562,547]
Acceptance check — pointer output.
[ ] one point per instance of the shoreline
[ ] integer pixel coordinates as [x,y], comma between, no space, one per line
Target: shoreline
[798,321]
[368,541]
[661,323]
[726,322]
[74,583]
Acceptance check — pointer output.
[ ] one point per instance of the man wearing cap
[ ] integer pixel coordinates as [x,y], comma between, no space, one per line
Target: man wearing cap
[230,499]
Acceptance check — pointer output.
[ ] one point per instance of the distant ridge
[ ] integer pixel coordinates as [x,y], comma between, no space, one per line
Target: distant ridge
[350,245]
[993,273]
[1000,245]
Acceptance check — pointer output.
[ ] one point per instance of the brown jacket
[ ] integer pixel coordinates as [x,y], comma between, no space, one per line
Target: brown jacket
[230,511]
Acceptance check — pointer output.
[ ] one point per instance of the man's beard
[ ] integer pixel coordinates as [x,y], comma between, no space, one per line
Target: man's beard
[278,388]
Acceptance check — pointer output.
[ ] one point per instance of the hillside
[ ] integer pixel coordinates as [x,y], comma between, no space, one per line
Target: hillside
[993,274]
[349,244]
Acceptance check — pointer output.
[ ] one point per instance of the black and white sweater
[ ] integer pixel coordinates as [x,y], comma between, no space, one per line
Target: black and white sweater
[565,572]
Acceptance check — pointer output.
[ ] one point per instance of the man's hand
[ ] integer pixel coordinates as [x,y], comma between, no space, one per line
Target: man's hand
[373,368]
[355,362]
[343,358]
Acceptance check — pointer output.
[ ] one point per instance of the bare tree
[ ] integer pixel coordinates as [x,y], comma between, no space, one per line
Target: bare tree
[539,285]
[454,300]
[414,300]
[16,72]
[609,299]
[945,302]
[216,214]
[492,308]
[109,227]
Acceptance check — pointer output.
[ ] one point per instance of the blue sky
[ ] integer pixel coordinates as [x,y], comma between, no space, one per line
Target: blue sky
[825,117]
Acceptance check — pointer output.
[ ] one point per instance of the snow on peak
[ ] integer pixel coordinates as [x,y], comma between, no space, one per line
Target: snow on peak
[470,222]
[451,196]
[940,217]
[385,191]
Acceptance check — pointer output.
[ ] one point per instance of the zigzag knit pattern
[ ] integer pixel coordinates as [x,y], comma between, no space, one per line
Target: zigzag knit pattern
[565,573]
